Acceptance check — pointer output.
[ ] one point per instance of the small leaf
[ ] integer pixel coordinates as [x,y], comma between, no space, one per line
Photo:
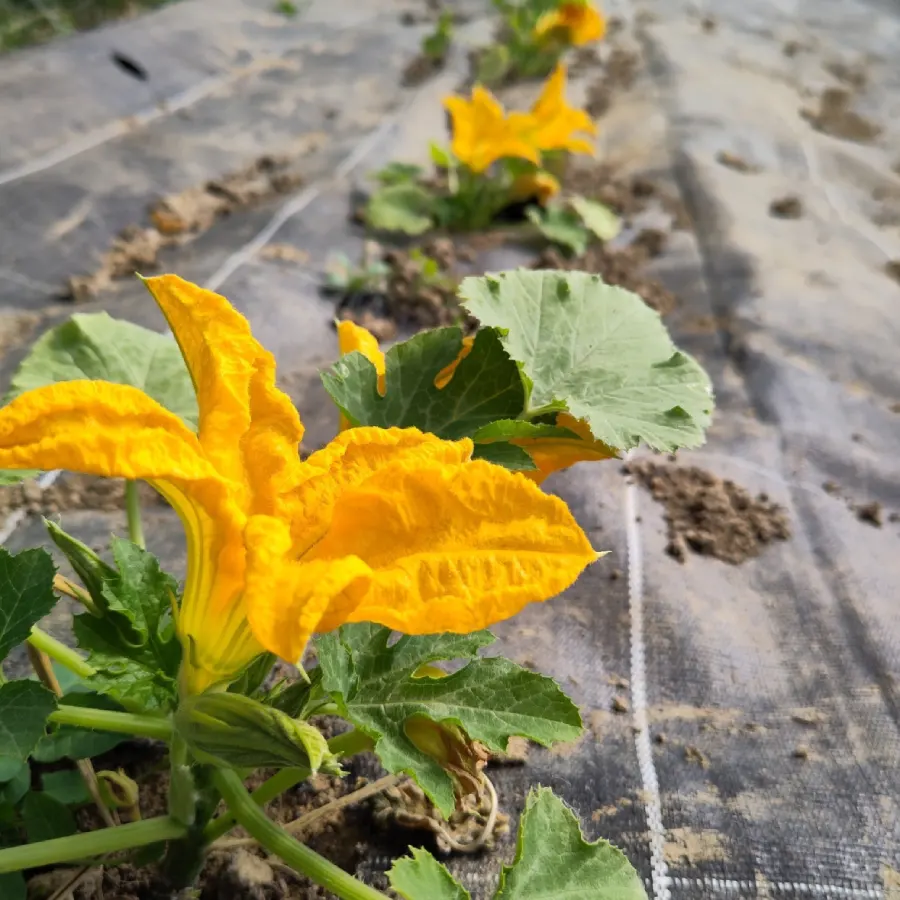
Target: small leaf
[13,887]
[375,687]
[403,207]
[45,818]
[507,429]
[554,860]
[24,707]
[95,346]
[422,877]
[597,351]
[16,788]
[65,786]
[560,226]
[486,385]
[399,173]
[69,742]
[493,64]
[505,454]
[597,217]
[439,156]
[26,594]
[88,566]
[15,476]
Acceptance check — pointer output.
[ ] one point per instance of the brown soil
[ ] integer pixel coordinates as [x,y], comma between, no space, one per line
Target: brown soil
[622,268]
[709,515]
[892,269]
[855,76]
[408,298]
[626,195]
[835,117]
[420,68]
[870,513]
[71,492]
[179,218]
[789,207]
[619,73]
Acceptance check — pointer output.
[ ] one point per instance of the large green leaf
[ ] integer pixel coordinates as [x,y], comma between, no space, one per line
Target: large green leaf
[46,818]
[492,699]
[24,707]
[402,206]
[422,877]
[26,594]
[560,226]
[66,786]
[12,791]
[12,886]
[597,217]
[554,860]
[98,347]
[485,386]
[598,351]
[133,647]
[69,742]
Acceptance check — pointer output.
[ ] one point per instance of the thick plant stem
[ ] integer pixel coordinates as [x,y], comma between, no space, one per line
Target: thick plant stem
[60,653]
[133,512]
[90,844]
[347,744]
[276,841]
[109,720]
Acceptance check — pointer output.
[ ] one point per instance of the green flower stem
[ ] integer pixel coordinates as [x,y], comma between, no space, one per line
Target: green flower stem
[347,744]
[90,844]
[298,856]
[133,511]
[110,720]
[59,652]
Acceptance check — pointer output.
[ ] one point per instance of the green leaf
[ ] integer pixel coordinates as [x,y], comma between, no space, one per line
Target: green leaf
[597,217]
[560,226]
[96,346]
[12,886]
[134,647]
[399,173]
[46,818]
[17,787]
[490,699]
[24,707]
[507,429]
[440,156]
[422,877]
[88,566]
[69,742]
[26,594]
[403,207]
[554,860]
[598,351]
[15,476]
[505,454]
[494,64]
[65,786]
[486,385]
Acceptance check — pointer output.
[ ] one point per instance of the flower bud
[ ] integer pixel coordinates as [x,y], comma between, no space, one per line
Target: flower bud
[461,758]
[231,730]
[119,792]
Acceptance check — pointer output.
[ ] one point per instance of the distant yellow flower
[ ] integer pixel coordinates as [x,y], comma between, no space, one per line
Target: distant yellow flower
[552,124]
[549,454]
[382,525]
[483,133]
[540,186]
[580,23]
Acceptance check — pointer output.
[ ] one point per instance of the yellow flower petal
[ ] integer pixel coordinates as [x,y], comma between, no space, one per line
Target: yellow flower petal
[286,600]
[453,547]
[442,379]
[483,133]
[223,357]
[535,185]
[580,23]
[350,459]
[354,337]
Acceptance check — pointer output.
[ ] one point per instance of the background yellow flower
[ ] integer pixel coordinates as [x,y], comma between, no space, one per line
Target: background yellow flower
[580,23]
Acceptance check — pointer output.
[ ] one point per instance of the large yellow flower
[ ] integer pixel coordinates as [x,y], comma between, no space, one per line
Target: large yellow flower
[552,124]
[383,525]
[578,23]
[483,133]
[550,454]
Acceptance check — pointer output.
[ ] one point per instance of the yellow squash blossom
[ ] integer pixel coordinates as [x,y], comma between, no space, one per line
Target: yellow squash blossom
[540,186]
[382,525]
[483,133]
[551,123]
[579,23]
[549,454]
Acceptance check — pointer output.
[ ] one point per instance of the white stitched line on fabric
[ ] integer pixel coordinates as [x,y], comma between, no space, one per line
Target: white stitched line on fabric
[659,873]
[728,885]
